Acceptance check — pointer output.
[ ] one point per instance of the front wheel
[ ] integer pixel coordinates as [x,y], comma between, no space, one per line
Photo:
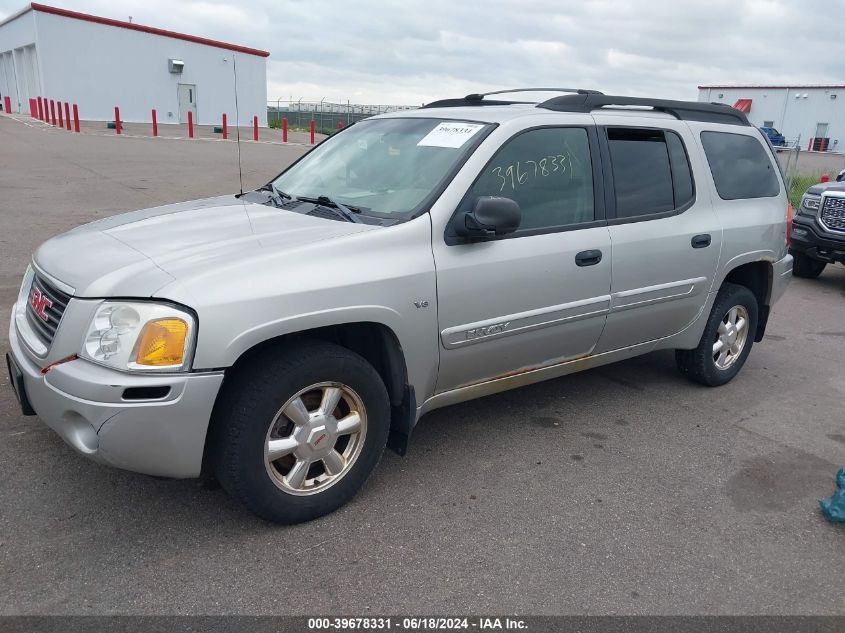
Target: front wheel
[297,432]
[727,339]
[807,267]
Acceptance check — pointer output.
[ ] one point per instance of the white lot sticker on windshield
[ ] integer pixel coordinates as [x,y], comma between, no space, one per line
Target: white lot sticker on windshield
[450,134]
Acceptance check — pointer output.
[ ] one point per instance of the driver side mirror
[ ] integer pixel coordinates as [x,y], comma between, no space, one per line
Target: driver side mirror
[490,216]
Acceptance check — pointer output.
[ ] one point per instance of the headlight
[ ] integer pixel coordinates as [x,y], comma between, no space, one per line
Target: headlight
[140,336]
[810,204]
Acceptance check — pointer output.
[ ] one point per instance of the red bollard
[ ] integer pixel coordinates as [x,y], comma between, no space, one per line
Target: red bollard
[155,123]
[33,108]
[7,104]
[225,127]
[67,116]
[116,120]
[340,125]
[75,119]
[61,118]
[53,111]
[312,131]
[825,178]
[255,128]
[40,110]
[190,125]
[285,130]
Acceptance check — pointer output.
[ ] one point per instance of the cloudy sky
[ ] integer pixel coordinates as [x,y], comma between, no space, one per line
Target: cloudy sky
[370,51]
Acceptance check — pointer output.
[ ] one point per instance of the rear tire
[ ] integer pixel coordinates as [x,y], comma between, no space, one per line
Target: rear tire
[807,267]
[297,432]
[726,341]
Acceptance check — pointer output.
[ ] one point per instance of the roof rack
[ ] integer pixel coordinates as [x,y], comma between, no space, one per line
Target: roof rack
[478,99]
[683,110]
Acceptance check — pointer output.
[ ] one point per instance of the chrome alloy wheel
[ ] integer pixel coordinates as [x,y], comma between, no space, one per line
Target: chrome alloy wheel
[315,438]
[731,337]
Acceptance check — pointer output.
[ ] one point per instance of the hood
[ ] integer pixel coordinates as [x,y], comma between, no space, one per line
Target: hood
[137,253]
[829,187]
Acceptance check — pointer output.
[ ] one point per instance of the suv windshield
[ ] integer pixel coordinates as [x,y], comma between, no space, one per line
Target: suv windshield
[385,167]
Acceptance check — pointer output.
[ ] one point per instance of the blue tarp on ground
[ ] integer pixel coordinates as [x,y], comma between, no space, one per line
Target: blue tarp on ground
[834,508]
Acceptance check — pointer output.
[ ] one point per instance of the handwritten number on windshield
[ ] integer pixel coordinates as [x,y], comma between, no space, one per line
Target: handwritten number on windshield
[518,173]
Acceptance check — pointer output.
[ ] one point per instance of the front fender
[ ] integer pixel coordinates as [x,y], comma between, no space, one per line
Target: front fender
[416,333]
[301,322]
[383,276]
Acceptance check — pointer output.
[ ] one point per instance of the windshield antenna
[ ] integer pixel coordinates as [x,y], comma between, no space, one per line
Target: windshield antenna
[238,124]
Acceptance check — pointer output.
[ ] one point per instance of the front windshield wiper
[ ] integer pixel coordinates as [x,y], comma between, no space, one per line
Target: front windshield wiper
[343,210]
[281,195]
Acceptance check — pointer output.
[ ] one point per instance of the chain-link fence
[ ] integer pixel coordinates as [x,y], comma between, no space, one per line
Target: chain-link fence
[802,168]
[788,156]
[327,115]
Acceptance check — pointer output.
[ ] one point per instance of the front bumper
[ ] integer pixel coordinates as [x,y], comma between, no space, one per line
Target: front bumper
[84,403]
[813,241]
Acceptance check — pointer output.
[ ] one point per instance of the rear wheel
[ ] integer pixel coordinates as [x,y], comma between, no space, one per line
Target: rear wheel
[298,432]
[804,266]
[727,339]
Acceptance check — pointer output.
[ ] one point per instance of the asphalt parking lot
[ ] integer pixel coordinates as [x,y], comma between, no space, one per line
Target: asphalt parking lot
[621,490]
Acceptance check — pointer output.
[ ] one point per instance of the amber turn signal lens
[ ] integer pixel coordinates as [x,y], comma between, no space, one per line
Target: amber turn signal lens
[162,343]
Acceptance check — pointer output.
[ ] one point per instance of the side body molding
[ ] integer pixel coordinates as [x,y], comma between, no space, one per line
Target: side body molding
[648,295]
[521,322]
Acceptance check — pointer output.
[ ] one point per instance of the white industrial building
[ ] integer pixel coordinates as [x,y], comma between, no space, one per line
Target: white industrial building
[99,63]
[800,113]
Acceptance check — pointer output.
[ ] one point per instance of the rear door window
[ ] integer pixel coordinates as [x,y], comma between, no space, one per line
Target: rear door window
[651,172]
[741,166]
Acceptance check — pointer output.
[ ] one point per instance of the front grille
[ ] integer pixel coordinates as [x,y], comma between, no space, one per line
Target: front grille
[833,213]
[51,302]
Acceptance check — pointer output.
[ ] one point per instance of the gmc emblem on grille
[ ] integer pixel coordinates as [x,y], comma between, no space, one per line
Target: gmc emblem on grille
[40,303]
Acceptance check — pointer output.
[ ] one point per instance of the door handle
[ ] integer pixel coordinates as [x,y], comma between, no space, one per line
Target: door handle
[700,241]
[588,258]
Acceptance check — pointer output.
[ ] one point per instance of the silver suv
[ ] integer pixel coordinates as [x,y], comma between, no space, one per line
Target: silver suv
[278,339]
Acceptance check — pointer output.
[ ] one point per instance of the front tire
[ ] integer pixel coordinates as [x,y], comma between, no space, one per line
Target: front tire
[726,341]
[297,432]
[807,267]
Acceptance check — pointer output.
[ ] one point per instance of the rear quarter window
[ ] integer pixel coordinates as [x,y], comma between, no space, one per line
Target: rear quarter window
[741,166]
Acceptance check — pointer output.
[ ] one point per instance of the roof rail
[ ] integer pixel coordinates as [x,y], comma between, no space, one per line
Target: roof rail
[683,110]
[477,99]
